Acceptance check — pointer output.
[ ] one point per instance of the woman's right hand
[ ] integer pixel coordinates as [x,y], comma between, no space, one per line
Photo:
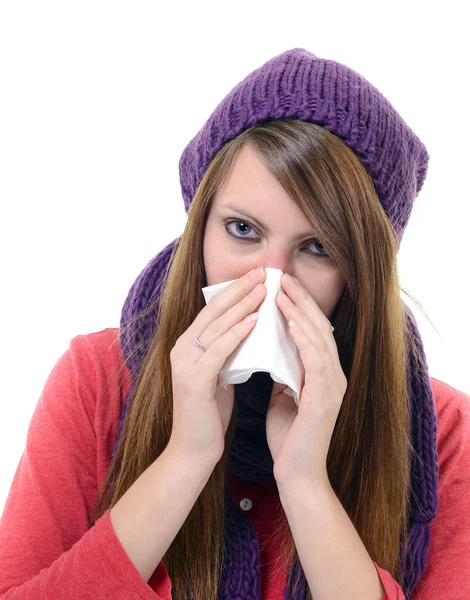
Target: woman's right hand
[201,408]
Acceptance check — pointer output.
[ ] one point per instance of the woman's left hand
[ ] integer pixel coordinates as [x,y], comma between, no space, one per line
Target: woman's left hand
[299,437]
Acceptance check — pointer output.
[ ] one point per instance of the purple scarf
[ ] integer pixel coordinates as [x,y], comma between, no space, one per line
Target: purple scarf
[297,84]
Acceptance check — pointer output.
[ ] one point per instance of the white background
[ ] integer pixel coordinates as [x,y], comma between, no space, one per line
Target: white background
[97,102]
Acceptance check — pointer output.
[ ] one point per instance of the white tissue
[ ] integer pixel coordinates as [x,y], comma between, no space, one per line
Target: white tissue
[268,347]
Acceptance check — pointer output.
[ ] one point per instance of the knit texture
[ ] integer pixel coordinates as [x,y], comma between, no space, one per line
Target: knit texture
[298,85]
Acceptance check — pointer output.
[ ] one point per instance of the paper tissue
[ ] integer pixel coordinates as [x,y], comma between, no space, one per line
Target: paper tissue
[268,347]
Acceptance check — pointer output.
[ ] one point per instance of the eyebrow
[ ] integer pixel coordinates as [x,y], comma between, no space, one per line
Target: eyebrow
[244,213]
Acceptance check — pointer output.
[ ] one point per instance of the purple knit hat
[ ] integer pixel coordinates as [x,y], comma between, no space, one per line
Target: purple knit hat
[298,85]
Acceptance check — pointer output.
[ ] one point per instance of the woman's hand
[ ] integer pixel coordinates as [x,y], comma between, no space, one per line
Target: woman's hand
[201,408]
[299,437]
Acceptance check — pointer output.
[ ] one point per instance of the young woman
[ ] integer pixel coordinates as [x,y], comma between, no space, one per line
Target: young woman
[143,478]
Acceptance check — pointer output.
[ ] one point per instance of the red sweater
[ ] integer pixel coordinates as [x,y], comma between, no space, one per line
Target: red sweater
[47,551]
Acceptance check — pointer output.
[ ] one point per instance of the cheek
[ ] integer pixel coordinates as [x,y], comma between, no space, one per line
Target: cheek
[212,255]
[326,293]
[221,263]
[219,270]
[220,267]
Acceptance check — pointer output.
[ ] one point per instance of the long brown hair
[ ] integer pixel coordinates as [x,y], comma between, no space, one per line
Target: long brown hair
[368,459]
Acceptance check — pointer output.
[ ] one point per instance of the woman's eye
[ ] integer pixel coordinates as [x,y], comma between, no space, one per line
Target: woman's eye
[240,229]
[323,250]
[244,226]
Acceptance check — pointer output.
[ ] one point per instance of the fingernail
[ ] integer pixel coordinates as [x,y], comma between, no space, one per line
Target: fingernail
[257,272]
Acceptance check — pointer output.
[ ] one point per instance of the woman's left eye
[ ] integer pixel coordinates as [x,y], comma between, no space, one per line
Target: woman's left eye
[246,225]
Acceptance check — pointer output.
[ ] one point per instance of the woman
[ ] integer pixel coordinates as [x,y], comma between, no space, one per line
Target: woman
[143,478]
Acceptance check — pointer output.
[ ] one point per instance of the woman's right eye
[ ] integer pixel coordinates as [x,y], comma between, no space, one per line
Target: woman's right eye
[236,222]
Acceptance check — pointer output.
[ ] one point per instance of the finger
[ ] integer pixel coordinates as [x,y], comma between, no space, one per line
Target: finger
[232,317]
[314,352]
[323,360]
[213,359]
[304,300]
[306,317]
[217,306]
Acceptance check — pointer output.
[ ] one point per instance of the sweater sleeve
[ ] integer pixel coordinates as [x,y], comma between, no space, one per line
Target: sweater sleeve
[46,548]
[447,573]
[392,589]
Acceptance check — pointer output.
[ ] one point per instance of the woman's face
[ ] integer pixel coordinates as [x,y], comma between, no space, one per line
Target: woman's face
[282,238]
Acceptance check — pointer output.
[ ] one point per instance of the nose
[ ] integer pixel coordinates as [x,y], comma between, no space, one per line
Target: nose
[276,258]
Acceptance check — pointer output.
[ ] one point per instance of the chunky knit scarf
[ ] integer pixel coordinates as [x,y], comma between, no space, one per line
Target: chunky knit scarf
[299,85]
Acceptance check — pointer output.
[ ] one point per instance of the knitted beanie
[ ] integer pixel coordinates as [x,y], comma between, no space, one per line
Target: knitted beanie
[299,85]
